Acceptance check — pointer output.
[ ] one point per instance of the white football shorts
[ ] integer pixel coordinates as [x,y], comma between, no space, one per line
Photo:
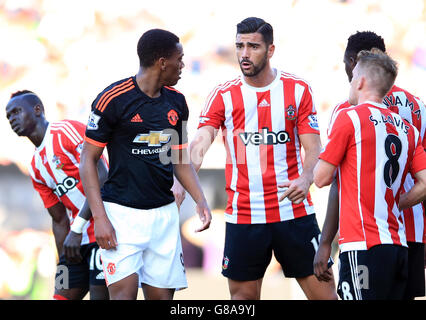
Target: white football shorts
[149,244]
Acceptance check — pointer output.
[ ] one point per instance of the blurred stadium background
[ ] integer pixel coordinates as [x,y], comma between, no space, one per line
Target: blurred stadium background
[68,51]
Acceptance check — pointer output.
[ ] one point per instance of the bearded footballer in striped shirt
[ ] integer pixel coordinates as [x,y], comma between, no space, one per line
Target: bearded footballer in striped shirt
[266,117]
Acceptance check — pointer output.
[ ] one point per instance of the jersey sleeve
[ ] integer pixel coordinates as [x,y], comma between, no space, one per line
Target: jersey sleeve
[181,141]
[214,111]
[419,159]
[307,121]
[422,115]
[339,138]
[101,121]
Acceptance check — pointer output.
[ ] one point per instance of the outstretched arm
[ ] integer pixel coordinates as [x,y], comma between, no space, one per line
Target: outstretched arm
[199,146]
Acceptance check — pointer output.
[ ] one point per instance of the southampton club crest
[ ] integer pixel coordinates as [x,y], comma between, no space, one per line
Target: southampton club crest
[57,162]
[290,113]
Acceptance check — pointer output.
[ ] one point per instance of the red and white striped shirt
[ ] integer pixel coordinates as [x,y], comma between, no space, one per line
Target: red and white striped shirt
[54,170]
[413,110]
[261,128]
[374,149]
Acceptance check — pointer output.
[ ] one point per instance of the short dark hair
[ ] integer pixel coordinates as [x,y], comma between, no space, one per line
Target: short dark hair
[32,98]
[20,93]
[381,69]
[155,44]
[365,40]
[253,24]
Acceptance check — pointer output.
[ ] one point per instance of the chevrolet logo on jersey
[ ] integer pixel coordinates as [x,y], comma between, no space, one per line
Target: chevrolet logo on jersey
[153,139]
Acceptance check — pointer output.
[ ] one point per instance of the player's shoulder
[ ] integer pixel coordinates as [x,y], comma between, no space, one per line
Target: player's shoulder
[410,96]
[68,129]
[294,78]
[174,94]
[226,86]
[114,90]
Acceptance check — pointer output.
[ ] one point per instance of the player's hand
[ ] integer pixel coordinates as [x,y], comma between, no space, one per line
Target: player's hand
[204,214]
[321,263]
[297,189]
[71,247]
[179,193]
[105,234]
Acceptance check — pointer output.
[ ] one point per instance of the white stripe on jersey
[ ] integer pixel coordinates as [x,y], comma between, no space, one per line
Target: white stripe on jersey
[73,130]
[32,174]
[280,150]
[66,131]
[357,135]
[298,93]
[229,125]
[69,155]
[254,170]
[38,161]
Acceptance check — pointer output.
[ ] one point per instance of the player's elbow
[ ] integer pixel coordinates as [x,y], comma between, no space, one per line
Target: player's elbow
[322,180]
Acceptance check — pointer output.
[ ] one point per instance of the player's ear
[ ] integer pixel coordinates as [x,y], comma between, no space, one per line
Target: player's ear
[352,61]
[38,110]
[162,63]
[361,83]
[271,50]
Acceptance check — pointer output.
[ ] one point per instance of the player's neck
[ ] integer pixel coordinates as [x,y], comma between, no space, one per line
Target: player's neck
[369,96]
[38,133]
[149,82]
[263,78]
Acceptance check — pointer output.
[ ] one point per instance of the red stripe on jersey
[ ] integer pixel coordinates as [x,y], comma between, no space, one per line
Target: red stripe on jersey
[291,154]
[409,223]
[266,154]
[238,117]
[367,180]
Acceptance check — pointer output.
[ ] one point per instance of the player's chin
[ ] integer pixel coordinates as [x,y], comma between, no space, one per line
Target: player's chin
[173,82]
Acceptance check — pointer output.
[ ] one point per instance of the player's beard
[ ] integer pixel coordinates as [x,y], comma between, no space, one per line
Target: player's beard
[257,68]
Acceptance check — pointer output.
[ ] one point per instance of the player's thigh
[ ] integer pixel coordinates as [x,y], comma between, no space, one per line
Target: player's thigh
[97,286]
[375,274]
[247,252]
[318,290]
[163,261]
[416,271]
[71,280]
[295,243]
[125,289]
